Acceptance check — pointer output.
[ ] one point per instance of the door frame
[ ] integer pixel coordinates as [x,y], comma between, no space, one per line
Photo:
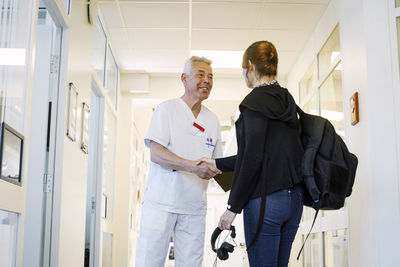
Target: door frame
[95,171]
[53,204]
[394,13]
[46,83]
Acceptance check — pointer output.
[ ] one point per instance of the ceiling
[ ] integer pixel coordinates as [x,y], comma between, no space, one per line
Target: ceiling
[157,36]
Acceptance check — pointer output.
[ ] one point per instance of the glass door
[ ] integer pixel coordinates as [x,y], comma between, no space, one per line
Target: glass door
[107,190]
[100,232]
[321,94]
[16,30]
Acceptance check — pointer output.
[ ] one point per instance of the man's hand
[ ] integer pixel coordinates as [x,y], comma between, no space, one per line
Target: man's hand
[207,160]
[205,170]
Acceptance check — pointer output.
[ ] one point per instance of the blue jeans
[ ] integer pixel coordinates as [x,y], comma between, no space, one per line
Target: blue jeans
[283,211]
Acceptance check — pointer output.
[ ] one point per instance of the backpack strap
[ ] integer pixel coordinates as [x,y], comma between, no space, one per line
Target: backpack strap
[262,213]
[302,247]
[260,221]
[313,127]
[299,111]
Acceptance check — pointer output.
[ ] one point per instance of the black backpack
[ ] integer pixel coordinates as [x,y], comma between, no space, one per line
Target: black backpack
[328,168]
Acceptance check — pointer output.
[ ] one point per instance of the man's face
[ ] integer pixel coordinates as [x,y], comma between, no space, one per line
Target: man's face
[200,80]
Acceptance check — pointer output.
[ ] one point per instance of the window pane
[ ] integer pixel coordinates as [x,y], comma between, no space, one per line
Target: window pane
[307,83]
[312,105]
[326,213]
[8,238]
[306,253]
[397,3]
[313,251]
[99,51]
[308,214]
[336,248]
[15,33]
[112,76]
[331,100]
[329,52]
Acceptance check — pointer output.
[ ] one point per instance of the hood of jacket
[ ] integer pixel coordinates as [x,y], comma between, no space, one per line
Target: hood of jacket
[274,102]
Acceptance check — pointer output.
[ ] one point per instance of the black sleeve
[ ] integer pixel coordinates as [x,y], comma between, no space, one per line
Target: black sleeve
[226,164]
[249,163]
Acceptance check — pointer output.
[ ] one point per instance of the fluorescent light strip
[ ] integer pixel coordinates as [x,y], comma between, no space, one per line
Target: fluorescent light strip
[224,59]
[138,91]
[12,56]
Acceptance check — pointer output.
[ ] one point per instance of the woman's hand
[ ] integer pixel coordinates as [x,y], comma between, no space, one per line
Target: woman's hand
[226,220]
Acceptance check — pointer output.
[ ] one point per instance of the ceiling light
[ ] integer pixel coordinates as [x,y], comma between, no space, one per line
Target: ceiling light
[224,59]
[12,56]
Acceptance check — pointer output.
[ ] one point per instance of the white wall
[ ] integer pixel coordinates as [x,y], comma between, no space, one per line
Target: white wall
[354,75]
[122,183]
[374,208]
[367,68]
[75,162]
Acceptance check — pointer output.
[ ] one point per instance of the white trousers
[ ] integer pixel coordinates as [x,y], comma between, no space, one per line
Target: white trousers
[155,232]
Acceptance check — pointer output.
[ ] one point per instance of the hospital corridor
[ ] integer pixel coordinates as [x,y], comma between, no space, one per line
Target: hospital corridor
[92,92]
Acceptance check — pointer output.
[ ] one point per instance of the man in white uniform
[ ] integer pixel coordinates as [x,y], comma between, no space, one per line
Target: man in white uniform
[181,132]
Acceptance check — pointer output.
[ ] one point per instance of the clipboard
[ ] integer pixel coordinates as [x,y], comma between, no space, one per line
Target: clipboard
[224,180]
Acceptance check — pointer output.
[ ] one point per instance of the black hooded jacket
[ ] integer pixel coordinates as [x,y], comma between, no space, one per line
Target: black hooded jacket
[269,152]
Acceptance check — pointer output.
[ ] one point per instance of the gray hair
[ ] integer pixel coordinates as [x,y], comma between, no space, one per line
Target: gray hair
[188,63]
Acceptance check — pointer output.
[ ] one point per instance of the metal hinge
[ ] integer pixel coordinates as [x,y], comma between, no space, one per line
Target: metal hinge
[48,183]
[54,62]
[93,205]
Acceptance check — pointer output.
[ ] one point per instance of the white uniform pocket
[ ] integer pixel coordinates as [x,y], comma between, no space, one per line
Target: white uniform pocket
[205,145]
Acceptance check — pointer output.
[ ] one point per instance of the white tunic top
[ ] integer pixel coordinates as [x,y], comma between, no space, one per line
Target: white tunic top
[172,126]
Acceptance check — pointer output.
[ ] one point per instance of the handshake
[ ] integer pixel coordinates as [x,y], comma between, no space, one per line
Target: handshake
[206,168]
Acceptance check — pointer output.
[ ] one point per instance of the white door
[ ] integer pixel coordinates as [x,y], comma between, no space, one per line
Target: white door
[42,131]
[101,176]
[92,240]
[107,230]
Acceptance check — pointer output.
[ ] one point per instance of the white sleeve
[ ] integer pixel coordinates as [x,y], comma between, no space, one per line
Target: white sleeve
[159,127]
[217,153]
